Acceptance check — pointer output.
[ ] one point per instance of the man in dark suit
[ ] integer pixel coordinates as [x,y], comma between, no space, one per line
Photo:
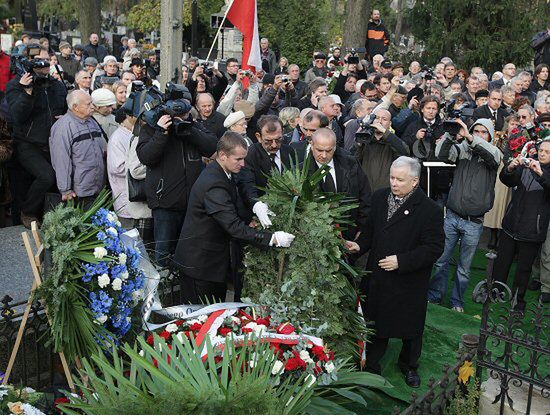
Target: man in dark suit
[404,234]
[345,176]
[492,110]
[309,123]
[263,157]
[203,251]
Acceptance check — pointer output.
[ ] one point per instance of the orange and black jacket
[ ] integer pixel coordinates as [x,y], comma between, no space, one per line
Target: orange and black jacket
[378,39]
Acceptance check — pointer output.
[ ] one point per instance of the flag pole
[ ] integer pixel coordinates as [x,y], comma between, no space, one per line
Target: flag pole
[219,29]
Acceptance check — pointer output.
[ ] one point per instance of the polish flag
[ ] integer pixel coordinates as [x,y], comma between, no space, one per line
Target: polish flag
[244,16]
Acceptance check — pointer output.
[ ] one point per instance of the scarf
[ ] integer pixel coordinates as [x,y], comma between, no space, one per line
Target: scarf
[394,203]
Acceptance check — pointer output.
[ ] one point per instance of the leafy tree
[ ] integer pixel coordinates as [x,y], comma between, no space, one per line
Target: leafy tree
[145,16]
[296,28]
[474,32]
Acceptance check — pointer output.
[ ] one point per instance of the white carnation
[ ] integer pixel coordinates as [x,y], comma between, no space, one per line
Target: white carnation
[118,224]
[112,231]
[102,319]
[29,390]
[122,257]
[112,217]
[100,252]
[171,328]
[278,367]
[31,410]
[137,295]
[304,355]
[117,284]
[329,367]
[103,280]
[124,276]
[202,318]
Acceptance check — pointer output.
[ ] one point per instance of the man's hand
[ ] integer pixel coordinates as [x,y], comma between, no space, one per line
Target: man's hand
[515,163]
[261,210]
[199,70]
[165,122]
[535,166]
[379,127]
[421,134]
[389,263]
[26,82]
[413,103]
[442,80]
[394,84]
[464,130]
[277,82]
[70,195]
[352,247]
[281,239]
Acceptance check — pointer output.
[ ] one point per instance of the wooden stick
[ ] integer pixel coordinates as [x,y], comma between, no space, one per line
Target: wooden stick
[37,283]
[19,336]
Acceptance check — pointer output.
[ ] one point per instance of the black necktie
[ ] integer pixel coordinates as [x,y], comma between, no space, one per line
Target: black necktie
[273,157]
[329,185]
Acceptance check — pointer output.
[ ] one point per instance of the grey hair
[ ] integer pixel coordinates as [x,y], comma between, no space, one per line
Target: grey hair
[529,109]
[288,113]
[80,74]
[357,104]
[73,98]
[264,38]
[507,89]
[539,102]
[411,163]
[482,77]
[324,101]
[523,74]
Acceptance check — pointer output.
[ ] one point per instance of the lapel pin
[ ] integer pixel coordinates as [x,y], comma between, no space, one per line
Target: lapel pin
[406,212]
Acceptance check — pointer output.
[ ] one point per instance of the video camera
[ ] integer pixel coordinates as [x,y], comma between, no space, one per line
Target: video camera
[366,134]
[451,113]
[427,73]
[354,57]
[174,102]
[24,61]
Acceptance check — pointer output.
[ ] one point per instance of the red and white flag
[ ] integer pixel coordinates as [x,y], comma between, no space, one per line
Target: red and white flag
[244,16]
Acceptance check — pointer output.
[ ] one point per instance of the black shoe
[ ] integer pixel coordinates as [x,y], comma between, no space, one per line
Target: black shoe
[411,378]
[534,285]
[545,298]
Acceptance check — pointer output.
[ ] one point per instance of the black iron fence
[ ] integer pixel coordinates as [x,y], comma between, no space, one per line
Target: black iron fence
[513,346]
[36,363]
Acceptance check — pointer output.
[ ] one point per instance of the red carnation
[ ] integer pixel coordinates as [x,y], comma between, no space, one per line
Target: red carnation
[264,321]
[196,327]
[515,130]
[180,322]
[151,339]
[295,363]
[247,330]
[331,355]
[285,328]
[60,401]
[224,331]
[320,353]
[166,335]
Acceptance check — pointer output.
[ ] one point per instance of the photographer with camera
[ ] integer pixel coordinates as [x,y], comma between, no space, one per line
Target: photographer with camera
[35,101]
[471,195]
[207,79]
[525,224]
[378,147]
[171,145]
[110,70]
[352,72]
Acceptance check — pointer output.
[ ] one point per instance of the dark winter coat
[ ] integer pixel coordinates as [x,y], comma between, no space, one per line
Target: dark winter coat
[203,250]
[33,115]
[173,164]
[378,39]
[397,300]
[528,213]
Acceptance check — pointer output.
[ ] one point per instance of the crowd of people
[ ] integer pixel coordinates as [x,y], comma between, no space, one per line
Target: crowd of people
[405,141]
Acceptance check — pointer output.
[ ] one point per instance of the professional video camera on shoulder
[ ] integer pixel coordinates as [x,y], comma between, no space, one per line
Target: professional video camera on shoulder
[452,112]
[174,102]
[366,134]
[25,61]
[354,55]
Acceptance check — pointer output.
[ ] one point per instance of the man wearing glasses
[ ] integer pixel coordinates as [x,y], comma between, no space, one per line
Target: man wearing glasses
[509,71]
[319,68]
[471,195]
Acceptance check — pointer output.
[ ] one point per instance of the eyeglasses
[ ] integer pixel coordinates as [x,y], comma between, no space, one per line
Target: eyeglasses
[481,132]
[274,141]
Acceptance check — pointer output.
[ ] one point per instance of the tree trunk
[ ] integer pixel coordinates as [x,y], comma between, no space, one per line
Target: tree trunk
[90,19]
[355,23]
[399,23]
